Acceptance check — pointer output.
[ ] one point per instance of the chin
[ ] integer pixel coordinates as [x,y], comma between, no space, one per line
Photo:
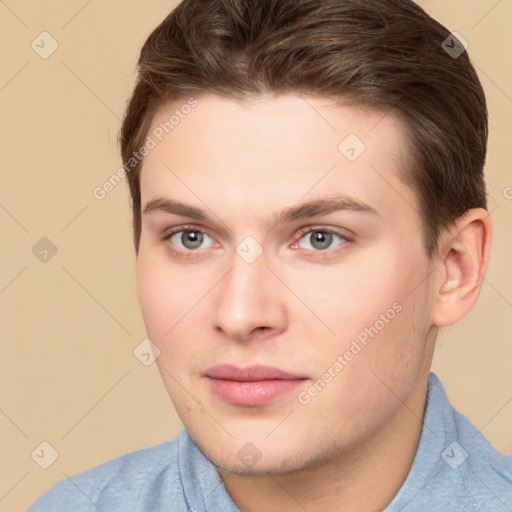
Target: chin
[274,466]
[263,457]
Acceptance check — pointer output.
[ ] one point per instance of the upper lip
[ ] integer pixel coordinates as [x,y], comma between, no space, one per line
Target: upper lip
[249,373]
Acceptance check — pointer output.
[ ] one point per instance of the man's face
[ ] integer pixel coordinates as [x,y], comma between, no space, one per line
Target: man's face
[337,300]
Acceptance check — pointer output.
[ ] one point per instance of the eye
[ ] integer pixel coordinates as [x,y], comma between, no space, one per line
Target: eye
[321,239]
[189,239]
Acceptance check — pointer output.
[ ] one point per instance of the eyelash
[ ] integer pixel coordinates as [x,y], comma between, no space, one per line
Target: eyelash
[322,254]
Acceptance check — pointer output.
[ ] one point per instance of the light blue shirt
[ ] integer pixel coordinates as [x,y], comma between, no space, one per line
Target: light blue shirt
[455,469]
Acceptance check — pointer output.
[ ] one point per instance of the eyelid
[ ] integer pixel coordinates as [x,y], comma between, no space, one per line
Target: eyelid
[185,227]
[188,227]
[330,252]
[344,234]
[325,229]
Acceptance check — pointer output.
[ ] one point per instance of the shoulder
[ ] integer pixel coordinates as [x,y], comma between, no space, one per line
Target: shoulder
[455,467]
[487,473]
[133,481]
[469,471]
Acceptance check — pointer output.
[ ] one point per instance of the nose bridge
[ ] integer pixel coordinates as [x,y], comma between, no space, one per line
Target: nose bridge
[245,287]
[247,298]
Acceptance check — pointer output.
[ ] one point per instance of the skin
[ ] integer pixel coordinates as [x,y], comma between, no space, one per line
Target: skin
[352,445]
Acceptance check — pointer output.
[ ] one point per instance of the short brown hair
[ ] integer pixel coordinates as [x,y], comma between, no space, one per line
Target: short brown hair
[386,54]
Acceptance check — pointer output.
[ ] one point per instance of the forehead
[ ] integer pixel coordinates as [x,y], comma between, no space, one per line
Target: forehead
[274,151]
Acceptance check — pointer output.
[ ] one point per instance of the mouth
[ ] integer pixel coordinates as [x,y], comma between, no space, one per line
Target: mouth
[252,385]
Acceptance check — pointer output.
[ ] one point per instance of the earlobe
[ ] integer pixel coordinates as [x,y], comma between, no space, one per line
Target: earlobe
[463,262]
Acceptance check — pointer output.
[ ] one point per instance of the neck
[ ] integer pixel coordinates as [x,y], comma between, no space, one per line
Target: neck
[366,478]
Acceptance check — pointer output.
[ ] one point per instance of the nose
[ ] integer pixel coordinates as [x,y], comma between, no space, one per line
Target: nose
[248,302]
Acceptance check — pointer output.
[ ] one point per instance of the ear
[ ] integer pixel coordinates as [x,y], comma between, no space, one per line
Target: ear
[462,261]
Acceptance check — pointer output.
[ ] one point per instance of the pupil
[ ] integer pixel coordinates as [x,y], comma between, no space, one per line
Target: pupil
[191,239]
[321,240]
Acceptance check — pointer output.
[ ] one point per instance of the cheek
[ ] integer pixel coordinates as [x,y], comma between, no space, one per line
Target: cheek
[351,296]
[378,371]
[377,301]
[164,294]
[154,296]
[173,302]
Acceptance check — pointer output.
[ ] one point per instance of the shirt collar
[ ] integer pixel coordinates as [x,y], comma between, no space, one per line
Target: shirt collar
[438,427]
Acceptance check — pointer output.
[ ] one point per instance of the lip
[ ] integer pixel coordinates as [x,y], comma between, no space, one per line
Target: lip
[251,385]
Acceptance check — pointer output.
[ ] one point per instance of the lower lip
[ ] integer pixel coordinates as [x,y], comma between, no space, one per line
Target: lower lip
[254,392]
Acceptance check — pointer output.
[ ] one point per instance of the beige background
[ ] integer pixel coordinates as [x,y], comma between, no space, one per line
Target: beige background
[68,373]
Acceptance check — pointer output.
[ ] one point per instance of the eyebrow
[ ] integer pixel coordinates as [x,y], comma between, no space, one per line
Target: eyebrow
[296,212]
